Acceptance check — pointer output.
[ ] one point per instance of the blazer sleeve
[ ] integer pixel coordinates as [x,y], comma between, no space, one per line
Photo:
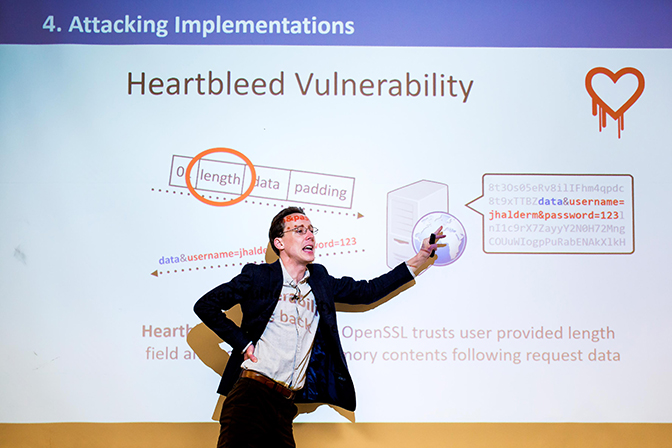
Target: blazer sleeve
[212,306]
[365,292]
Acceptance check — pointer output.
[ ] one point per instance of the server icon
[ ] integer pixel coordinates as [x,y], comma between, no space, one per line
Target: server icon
[405,206]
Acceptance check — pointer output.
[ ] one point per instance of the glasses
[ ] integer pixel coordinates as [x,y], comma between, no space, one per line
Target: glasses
[301,230]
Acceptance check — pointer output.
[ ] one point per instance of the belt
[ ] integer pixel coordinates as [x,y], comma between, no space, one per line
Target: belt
[266,381]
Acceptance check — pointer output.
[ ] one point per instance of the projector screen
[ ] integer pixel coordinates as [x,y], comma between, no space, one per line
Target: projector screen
[145,149]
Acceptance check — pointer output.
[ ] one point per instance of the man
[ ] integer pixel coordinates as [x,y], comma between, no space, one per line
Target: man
[287,348]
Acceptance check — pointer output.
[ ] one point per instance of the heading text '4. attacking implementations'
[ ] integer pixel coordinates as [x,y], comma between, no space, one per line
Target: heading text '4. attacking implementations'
[204,27]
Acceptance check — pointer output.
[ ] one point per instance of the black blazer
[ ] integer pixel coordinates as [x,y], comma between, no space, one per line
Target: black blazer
[257,289]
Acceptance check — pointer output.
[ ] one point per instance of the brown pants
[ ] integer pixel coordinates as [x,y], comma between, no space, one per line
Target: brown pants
[255,416]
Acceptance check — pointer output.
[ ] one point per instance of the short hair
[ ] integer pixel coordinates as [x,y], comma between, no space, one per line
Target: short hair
[277,229]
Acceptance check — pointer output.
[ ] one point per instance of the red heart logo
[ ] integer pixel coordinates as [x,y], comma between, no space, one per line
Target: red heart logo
[604,107]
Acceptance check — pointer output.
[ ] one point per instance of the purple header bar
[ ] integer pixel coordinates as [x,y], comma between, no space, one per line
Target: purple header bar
[444,23]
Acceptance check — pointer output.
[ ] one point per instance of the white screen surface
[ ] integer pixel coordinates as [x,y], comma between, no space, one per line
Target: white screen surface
[558,319]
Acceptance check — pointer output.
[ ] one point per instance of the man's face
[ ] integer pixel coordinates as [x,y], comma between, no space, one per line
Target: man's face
[299,248]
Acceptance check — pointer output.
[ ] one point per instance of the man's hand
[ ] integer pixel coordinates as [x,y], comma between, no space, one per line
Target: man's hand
[422,259]
[249,354]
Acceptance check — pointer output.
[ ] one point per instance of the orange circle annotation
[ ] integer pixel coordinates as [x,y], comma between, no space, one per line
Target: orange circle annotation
[201,198]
